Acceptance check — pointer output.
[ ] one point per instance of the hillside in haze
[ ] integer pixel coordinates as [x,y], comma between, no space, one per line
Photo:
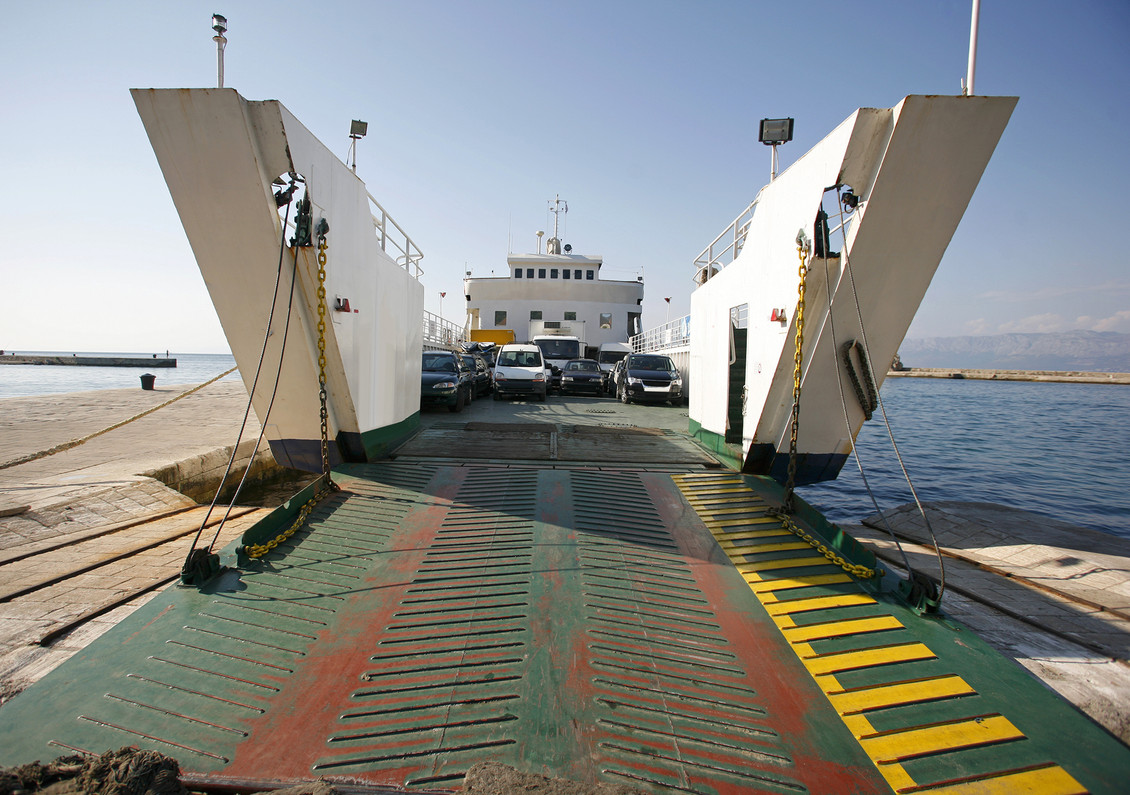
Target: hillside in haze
[1103,351]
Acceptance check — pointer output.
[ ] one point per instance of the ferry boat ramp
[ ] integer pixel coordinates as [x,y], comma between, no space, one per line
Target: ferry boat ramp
[581,591]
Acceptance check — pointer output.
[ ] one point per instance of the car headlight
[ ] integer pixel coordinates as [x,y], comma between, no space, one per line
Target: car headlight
[677,381]
[499,377]
[566,378]
[634,380]
[539,377]
[444,385]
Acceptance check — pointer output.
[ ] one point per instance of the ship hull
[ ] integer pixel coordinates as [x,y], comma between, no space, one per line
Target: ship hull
[914,167]
[220,155]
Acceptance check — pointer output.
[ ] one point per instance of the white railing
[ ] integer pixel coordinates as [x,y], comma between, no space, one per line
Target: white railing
[725,248]
[673,334]
[440,333]
[409,254]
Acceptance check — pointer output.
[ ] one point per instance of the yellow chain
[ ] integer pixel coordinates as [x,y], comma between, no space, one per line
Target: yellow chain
[798,358]
[326,484]
[858,570]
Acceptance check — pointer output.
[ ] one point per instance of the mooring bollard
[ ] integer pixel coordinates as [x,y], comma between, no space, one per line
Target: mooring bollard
[147,381]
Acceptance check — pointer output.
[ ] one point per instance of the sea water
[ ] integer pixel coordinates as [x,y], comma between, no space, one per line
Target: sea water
[23,380]
[1061,450]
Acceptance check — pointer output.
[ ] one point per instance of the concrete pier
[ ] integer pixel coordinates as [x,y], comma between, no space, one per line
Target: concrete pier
[1054,376]
[91,361]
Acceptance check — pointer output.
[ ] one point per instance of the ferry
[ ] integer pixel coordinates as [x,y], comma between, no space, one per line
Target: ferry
[558,300]
[605,603]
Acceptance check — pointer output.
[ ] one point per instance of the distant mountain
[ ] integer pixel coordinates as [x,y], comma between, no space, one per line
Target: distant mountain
[1101,351]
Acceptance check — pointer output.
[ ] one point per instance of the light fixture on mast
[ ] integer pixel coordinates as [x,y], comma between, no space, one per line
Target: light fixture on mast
[357,131]
[773,132]
[220,25]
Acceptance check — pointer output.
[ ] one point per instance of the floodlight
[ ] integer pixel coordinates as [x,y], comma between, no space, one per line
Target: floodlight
[219,24]
[775,131]
[358,129]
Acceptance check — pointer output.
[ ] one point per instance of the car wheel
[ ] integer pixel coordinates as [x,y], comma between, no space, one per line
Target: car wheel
[624,395]
[497,395]
[458,403]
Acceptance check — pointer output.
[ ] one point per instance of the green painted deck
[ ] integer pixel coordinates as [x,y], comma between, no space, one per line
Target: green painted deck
[621,625]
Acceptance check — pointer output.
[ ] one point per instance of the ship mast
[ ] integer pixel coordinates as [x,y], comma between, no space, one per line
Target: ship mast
[557,206]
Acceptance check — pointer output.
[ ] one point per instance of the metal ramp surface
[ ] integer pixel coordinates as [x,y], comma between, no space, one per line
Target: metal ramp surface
[618,626]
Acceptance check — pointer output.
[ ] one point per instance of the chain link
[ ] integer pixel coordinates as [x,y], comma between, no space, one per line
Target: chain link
[326,484]
[798,359]
[858,570]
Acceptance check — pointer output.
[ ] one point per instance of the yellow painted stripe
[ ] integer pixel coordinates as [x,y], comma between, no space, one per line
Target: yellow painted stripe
[741,535]
[900,745]
[732,509]
[838,629]
[782,563]
[722,527]
[786,583]
[865,658]
[899,694]
[753,549]
[790,606]
[1053,780]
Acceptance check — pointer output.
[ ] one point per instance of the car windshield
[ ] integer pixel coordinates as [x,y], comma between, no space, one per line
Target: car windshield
[519,359]
[469,362]
[585,365]
[559,348]
[439,363]
[611,357]
[658,363]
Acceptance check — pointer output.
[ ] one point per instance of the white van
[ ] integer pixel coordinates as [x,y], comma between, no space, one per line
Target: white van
[608,355]
[519,370]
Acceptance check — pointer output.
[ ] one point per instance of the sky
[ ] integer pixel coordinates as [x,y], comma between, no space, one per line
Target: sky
[641,114]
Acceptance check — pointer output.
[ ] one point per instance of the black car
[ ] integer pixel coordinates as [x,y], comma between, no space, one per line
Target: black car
[445,379]
[649,376]
[582,375]
[480,373]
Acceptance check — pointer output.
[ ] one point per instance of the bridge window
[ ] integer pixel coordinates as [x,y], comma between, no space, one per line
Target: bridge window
[566,273]
[577,274]
[589,275]
[499,318]
[517,273]
[529,273]
[553,273]
[541,273]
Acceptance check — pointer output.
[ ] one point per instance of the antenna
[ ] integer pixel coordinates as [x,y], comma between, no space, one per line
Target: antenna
[220,25]
[967,84]
[558,206]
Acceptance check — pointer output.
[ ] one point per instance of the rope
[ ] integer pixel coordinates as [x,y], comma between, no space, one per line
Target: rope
[251,394]
[59,448]
[890,433]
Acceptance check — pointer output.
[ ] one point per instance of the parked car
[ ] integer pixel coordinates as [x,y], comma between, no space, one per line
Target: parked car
[582,375]
[649,377]
[480,373]
[444,379]
[612,377]
[519,370]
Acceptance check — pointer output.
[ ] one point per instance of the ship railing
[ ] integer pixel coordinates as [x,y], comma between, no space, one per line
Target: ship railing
[440,333]
[725,248]
[406,253]
[672,334]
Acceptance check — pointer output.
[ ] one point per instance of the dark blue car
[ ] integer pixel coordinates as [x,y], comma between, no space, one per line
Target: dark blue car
[445,380]
[582,375]
[649,377]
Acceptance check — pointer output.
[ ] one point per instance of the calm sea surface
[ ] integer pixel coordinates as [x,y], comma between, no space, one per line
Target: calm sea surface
[1062,450]
[18,380]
